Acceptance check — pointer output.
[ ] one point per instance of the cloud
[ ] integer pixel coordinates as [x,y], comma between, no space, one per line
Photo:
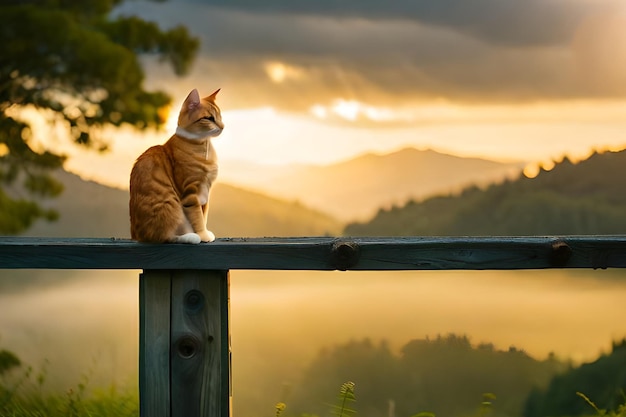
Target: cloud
[514,22]
[279,72]
[296,54]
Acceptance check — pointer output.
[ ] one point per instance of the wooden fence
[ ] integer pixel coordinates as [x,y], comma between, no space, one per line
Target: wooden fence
[184,358]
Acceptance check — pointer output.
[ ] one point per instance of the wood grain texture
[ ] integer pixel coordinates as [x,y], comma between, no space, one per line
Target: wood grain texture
[320,253]
[200,344]
[184,358]
[154,343]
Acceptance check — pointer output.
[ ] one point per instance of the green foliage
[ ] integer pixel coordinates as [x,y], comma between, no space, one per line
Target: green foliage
[25,397]
[18,214]
[73,61]
[447,376]
[341,408]
[604,380]
[102,403]
[8,361]
[372,366]
[586,198]
[345,397]
[486,406]
[280,407]
[620,412]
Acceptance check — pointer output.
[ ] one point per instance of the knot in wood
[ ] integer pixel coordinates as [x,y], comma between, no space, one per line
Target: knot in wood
[194,302]
[344,255]
[560,253]
[187,346]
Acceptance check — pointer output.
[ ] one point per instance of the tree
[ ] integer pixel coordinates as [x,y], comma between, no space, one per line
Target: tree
[8,361]
[603,381]
[81,67]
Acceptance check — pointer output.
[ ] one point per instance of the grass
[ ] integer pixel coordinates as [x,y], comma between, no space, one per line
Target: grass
[620,412]
[24,395]
[101,403]
[347,396]
[104,403]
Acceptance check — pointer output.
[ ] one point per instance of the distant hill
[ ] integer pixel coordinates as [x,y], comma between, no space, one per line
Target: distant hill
[584,198]
[357,188]
[602,381]
[445,376]
[89,209]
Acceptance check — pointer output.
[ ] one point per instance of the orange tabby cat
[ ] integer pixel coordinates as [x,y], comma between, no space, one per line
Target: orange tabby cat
[170,183]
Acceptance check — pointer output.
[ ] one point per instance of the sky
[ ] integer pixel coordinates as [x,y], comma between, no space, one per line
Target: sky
[319,82]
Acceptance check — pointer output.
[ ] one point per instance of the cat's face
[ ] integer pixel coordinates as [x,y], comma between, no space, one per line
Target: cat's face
[201,117]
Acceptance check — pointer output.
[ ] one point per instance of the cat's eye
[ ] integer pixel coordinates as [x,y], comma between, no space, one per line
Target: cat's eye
[209,118]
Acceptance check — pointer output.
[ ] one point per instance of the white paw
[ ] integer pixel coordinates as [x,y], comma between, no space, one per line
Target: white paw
[192,238]
[207,236]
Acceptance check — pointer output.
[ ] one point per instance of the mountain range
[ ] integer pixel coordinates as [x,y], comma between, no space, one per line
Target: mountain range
[291,201]
[355,189]
[89,209]
[588,197]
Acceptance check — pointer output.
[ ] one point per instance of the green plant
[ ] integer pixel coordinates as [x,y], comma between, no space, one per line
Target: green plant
[280,407]
[339,409]
[487,404]
[345,397]
[485,407]
[23,395]
[620,412]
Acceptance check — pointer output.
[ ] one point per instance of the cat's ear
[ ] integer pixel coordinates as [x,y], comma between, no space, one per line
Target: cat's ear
[193,100]
[212,96]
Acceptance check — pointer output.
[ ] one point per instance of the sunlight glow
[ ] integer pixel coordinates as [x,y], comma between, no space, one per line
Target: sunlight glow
[171,119]
[279,72]
[533,169]
[335,131]
[353,110]
[450,113]
[170,116]
[548,165]
[347,109]
[319,111]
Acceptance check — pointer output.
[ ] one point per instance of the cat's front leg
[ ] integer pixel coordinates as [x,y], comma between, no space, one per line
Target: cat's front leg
[199,227]
[209,235]
[196,218]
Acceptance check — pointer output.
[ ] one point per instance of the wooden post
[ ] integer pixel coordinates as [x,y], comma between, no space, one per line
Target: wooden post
[184,358]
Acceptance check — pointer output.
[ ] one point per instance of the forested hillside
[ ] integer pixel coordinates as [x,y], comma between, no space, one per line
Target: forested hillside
[584,198]
[602,381]
[447,376]
[89,209]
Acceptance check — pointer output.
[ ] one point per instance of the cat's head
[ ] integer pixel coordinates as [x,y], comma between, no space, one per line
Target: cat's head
[200,118]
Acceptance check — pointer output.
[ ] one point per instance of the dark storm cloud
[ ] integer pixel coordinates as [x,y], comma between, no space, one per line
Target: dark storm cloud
[404,52]
[513,22]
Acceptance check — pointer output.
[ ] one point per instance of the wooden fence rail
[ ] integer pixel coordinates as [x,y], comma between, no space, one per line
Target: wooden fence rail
[184,342]
[320,253]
